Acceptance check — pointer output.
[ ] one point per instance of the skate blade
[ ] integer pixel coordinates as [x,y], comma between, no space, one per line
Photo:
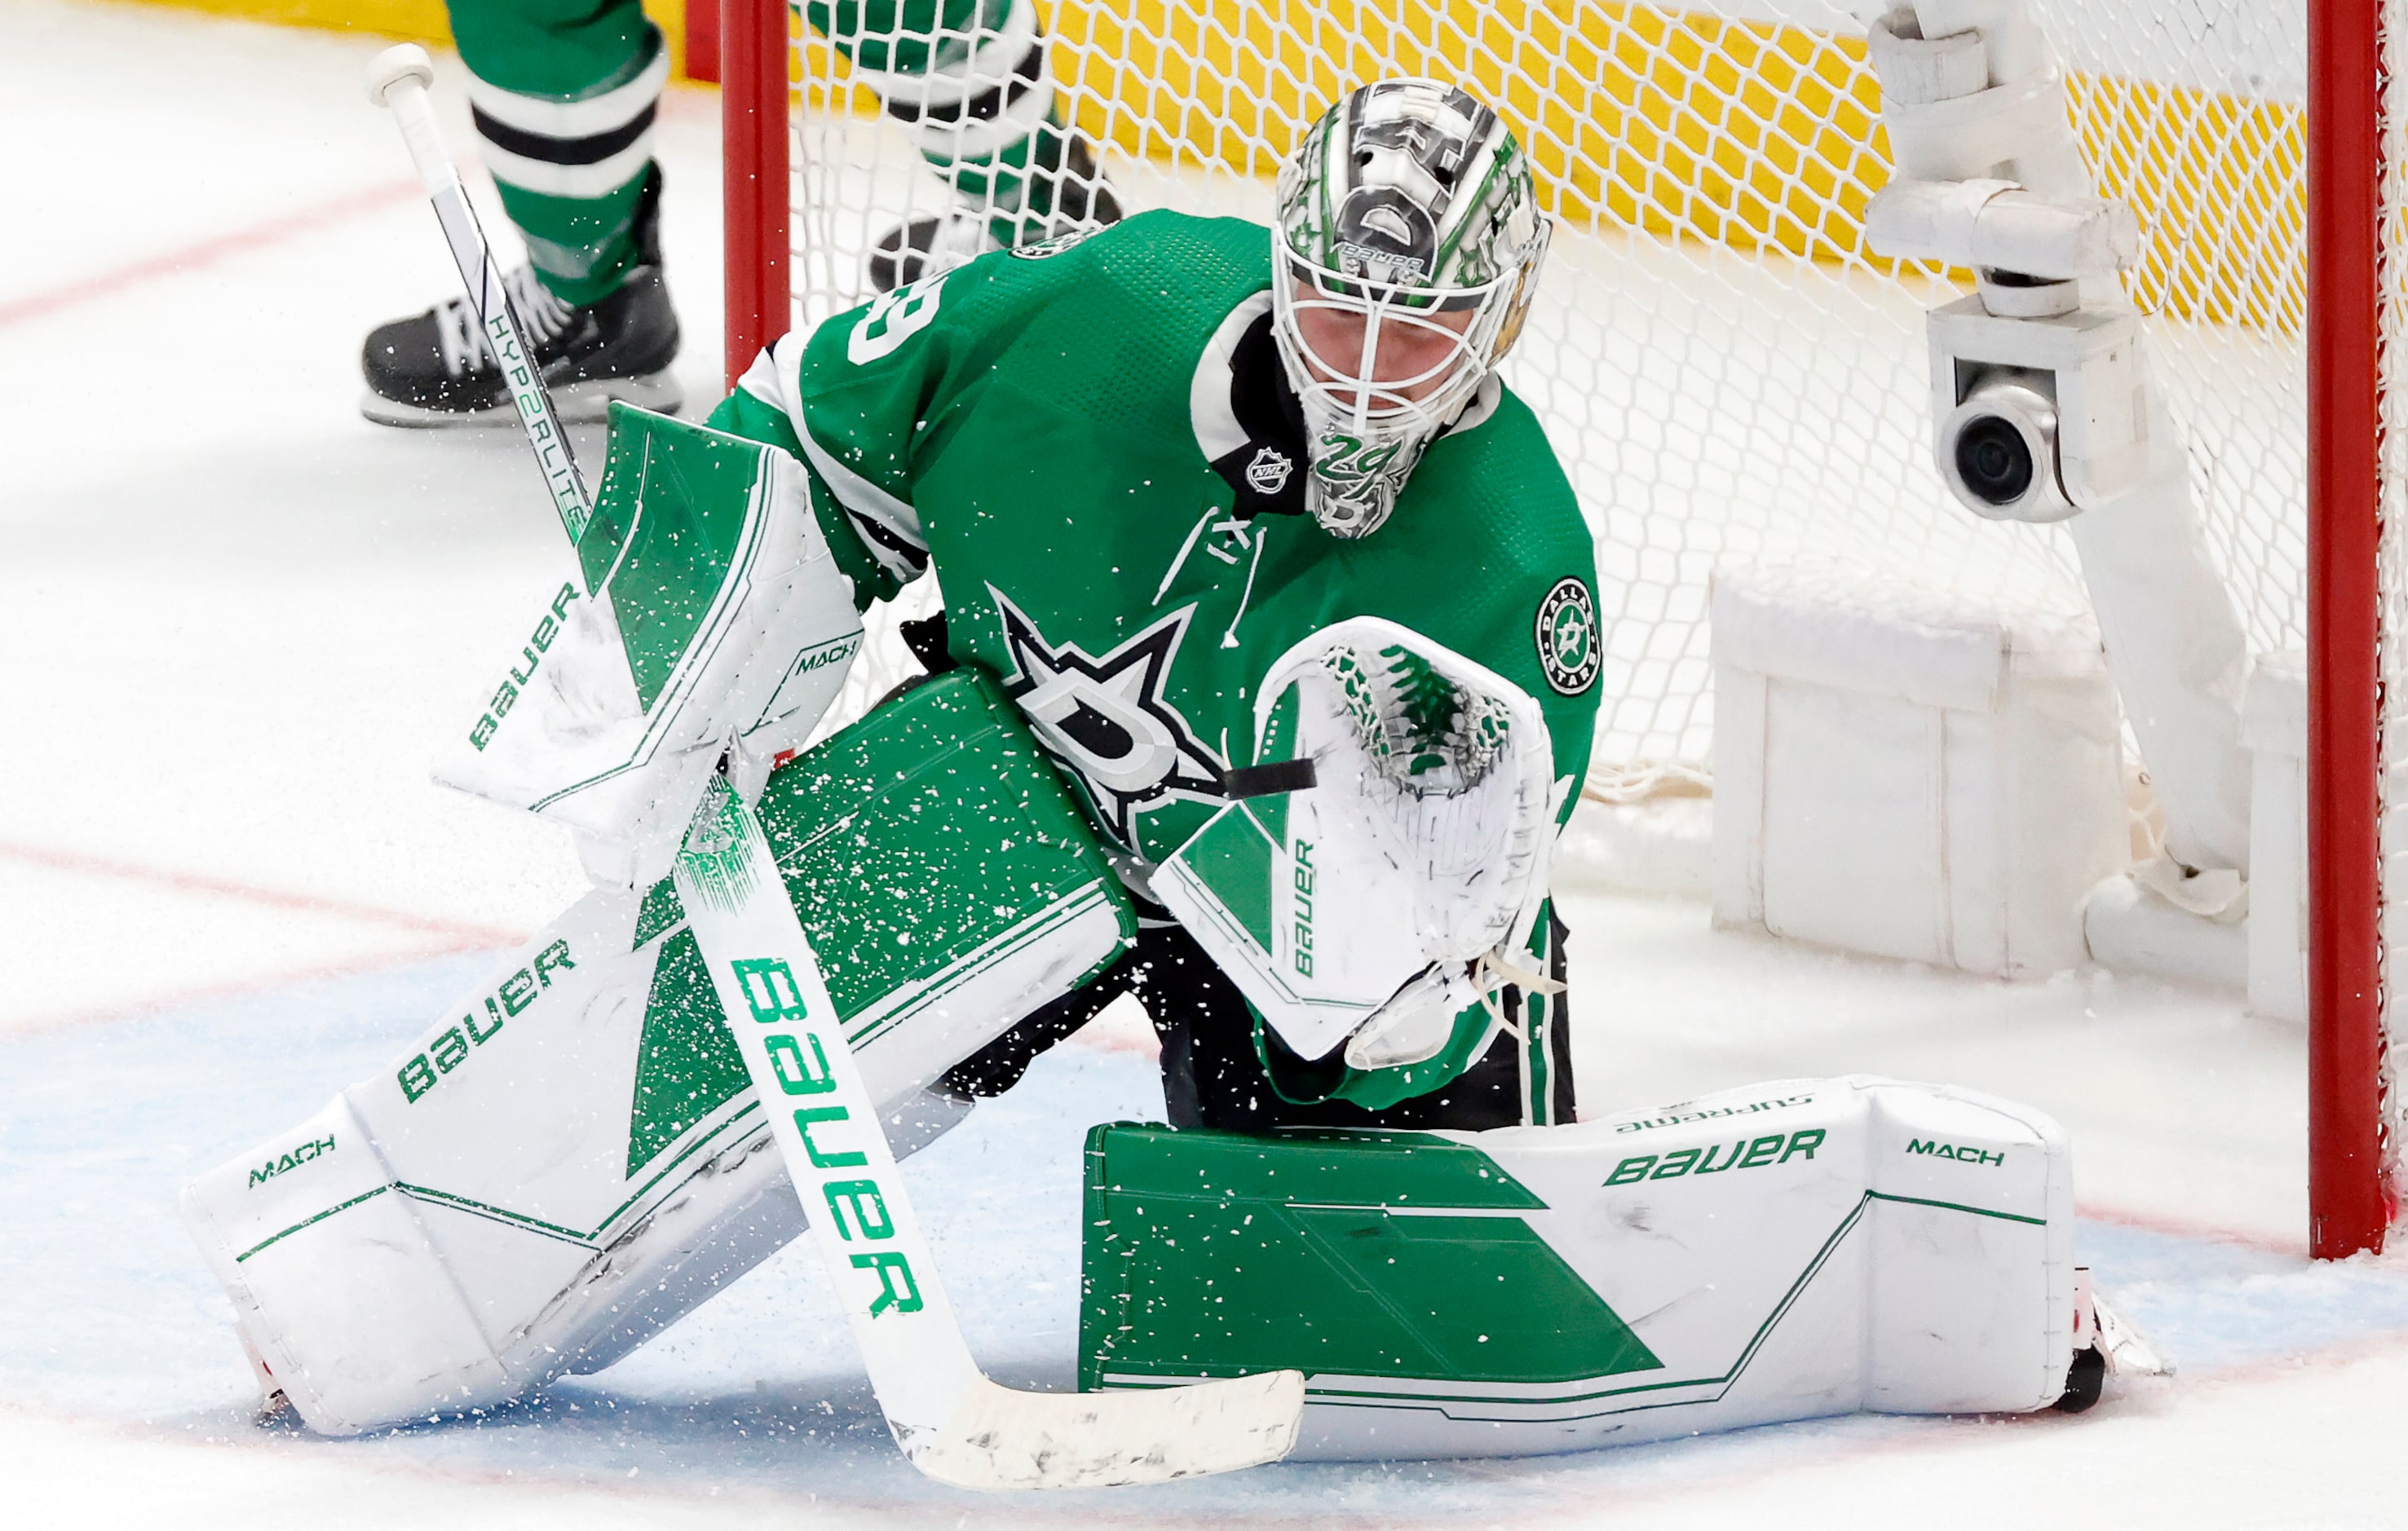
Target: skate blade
[2128,1354]
[586,403]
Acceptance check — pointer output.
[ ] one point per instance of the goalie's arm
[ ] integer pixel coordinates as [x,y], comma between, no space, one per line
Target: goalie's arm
[755,417]
[860,398]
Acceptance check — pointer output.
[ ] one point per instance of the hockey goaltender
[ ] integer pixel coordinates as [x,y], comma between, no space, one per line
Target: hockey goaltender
[1264,682]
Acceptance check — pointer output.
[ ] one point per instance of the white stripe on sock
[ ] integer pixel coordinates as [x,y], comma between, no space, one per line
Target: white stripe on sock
[572,180]
[613,108]
[991,59]
[983,138]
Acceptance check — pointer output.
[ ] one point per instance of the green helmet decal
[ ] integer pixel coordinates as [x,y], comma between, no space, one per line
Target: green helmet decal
[1412,184]
[1406,251]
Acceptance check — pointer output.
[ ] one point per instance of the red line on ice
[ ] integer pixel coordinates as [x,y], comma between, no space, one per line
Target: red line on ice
[2182,1227]
[471,934]
[206,252]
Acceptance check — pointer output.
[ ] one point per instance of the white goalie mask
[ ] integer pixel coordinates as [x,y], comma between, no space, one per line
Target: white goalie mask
[1405,253]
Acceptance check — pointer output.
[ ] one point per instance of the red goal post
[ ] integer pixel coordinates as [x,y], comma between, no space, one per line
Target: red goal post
[756,141]
[2352,280]
[2241,188]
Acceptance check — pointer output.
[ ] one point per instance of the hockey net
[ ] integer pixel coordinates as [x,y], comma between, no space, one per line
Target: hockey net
[1726,371]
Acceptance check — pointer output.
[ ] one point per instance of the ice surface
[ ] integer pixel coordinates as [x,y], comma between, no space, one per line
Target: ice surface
[234,615]
[110,1316]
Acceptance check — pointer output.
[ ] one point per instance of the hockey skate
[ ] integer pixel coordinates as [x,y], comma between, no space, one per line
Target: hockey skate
[436,368]
[1082,200]
[2105,1344]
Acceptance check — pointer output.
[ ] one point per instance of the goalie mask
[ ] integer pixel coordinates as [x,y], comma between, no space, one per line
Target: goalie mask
[1405,250]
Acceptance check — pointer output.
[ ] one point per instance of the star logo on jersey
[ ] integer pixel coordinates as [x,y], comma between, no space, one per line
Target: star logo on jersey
[1104,718]
[1566,636]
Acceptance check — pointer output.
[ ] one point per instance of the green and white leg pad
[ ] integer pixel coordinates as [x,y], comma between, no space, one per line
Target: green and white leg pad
[1788,1250]
[571,1157]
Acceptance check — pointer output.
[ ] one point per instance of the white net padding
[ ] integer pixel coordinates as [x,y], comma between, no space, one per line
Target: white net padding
[1725,370]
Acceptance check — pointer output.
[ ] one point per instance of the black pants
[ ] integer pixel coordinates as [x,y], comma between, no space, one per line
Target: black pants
[1211,1074]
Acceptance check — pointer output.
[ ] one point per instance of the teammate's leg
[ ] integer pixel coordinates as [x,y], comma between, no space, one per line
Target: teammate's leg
[564,94]
[969,82]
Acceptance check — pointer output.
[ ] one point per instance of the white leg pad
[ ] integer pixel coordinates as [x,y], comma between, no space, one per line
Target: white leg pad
[1783,1251]
[529,1212]
[571,1157]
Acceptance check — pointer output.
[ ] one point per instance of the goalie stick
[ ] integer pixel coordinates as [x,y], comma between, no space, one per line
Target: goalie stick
[955,1424]
[398,78]
[951,1422]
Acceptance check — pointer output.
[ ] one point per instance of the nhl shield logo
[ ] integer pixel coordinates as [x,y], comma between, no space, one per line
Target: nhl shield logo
[1267,473]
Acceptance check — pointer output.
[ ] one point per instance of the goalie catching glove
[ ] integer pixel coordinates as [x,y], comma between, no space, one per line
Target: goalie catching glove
[1378,909]
[709,610]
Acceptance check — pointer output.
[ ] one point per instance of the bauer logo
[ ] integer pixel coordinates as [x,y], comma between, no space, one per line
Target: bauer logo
[1379,262]
[538,643]
[290,1159]
[454,1045]
[798,1063]
[1566,636]
[1776,1148]
[1675,1116]
[1301,882]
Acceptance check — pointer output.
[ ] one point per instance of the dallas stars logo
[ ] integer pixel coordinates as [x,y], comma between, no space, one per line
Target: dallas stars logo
[1104,718]
[1567,635]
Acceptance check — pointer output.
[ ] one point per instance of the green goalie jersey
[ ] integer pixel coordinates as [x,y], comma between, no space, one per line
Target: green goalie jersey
[1093,444]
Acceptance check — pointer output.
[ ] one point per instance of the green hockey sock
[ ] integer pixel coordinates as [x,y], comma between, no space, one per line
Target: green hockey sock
[969,81]
[564,94]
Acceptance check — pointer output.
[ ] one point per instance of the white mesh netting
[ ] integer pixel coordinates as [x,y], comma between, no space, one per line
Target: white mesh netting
[1723,369]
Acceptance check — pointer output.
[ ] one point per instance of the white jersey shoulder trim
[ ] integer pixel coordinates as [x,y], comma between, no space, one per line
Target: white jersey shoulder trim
[1217,431]
[889,526]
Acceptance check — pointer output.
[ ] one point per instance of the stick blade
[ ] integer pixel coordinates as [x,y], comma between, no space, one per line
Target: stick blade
[1003,1439]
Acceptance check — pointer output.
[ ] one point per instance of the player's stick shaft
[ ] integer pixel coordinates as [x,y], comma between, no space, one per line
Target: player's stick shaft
[953,1424]
[398,78]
